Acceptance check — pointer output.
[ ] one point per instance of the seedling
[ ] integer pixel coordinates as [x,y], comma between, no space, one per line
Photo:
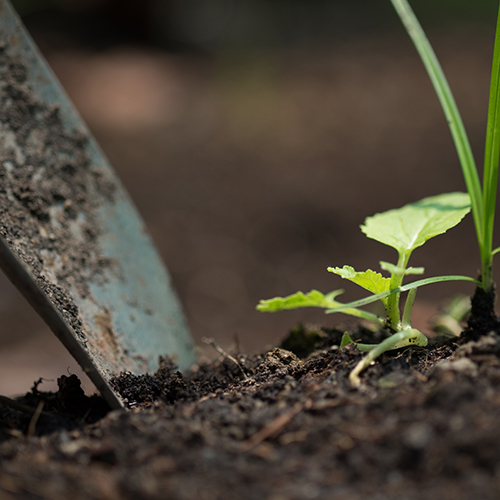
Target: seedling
[404,229]
[409,227]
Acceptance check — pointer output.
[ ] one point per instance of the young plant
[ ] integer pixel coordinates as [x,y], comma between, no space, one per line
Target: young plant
[483,200]
[403,229]
[411,226]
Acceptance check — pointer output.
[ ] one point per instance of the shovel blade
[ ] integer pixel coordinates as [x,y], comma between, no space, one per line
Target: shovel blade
[70,238]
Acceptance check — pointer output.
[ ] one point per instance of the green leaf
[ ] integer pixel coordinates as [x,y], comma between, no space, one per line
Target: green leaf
[346,340]
[411,226]
[387,266]
[370,280]
[312,299]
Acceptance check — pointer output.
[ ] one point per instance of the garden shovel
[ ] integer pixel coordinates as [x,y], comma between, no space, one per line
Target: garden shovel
[70,239]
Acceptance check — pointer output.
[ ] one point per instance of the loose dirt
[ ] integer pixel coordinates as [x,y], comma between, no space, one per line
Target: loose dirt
[283,424]
[422,425]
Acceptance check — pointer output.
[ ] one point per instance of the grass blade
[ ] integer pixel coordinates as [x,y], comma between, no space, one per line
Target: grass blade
[450,109]
[491,160]
[404,288]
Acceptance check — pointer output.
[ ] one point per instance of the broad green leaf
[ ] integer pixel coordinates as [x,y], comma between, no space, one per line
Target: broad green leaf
[411,226]
[387,266]
[300,299]
[369,280]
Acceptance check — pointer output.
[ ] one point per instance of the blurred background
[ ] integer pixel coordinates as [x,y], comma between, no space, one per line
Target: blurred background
[255,136]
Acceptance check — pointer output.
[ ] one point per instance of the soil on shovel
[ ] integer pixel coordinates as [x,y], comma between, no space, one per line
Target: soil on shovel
[48,204]
[285,424]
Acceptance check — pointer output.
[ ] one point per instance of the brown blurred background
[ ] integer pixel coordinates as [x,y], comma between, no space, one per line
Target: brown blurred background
[255,136]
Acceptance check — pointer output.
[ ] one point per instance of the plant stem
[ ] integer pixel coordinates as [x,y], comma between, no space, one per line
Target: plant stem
[410,337]
[410,299]
[393,312]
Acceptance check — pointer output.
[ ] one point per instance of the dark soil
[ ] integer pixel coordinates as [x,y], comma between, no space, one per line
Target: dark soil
[276,425]
[424,424]
[482,317]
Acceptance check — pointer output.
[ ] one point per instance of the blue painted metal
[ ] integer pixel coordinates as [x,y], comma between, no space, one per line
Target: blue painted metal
[130,314]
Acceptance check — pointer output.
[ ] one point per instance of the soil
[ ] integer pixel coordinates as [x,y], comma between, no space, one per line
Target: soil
[286,423]
[482,317]
[272,425]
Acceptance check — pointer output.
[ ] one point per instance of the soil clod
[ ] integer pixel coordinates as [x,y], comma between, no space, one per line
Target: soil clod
[482,317]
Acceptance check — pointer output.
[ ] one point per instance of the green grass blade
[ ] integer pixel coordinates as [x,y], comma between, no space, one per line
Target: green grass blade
[450,109]
[491,160]
[404,288]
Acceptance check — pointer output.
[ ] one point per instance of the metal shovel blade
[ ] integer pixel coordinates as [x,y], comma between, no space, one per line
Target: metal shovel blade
[70,239]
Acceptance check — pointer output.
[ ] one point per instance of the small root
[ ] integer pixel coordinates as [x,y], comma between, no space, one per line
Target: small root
[211,342]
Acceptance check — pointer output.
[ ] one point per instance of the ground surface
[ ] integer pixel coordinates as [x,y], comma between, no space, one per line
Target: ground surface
[253,173]
[424,424]
[247,170]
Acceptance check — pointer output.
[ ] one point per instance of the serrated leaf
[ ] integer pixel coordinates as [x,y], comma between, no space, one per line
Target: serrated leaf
[370,280]
[300,299]
[411,226]
[314,299]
